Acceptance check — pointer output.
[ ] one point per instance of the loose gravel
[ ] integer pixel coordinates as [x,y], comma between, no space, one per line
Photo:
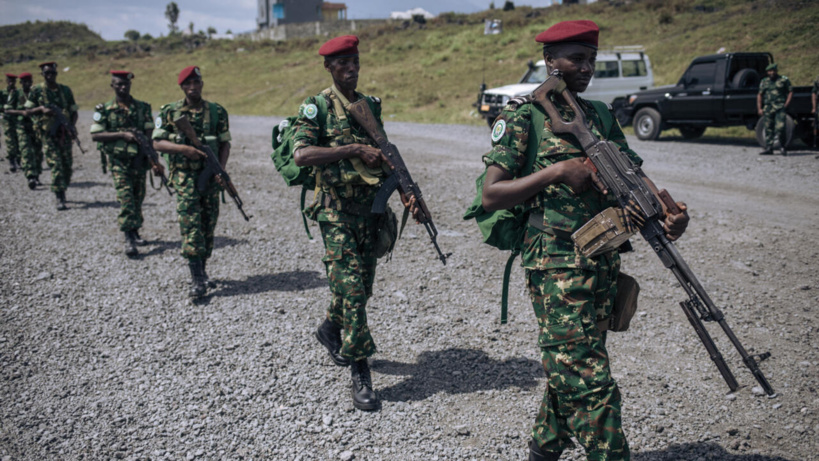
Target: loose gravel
[102,357]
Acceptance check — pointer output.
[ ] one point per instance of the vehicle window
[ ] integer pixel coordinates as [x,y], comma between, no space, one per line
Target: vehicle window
[538,75]
[634,68]
[606,69]
[702,73]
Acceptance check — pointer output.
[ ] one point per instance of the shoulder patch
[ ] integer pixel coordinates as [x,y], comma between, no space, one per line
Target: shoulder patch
[498,130]
[158,122]
[97,116]
[310,111]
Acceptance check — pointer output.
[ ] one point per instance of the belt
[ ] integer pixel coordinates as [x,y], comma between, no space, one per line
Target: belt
[345,206]
[536,221]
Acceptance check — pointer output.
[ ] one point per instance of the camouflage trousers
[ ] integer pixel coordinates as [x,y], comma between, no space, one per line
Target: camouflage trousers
[31,151]
[129,181]
[197,214]
[10,133]
[581,398]
[58,156]
[774,122]
[350,263]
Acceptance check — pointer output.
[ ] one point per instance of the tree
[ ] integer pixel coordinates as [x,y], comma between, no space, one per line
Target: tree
[132,35]
[229,32]
[172,13]
[211,31]
[190,27]
[147,37]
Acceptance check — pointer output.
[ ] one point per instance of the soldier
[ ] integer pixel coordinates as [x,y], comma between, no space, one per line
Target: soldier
[10,122]
[774,97]
[814,94]
[570,293]
[57,147]
[113,124]
[348,172]
[31,152]
[198,212]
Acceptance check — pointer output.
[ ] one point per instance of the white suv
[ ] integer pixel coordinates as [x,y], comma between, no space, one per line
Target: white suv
[617,72]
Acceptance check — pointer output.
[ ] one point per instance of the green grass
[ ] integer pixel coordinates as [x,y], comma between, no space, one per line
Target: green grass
[432,75]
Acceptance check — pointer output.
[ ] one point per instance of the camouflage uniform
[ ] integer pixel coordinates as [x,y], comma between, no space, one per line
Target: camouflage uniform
[815,90]
[774,94]
[570,293]
[127,167]
[198,212]
[8,101]
[57,149]
[31,149]
[345,193]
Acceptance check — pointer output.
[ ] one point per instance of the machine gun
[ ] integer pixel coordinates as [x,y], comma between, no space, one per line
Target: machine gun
[399,176]
[146,148]
[212,165]
[62,126]
[625,181]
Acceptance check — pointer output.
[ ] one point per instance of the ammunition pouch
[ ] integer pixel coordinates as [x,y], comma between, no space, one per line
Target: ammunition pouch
[605,232]
[625,305]
[387,233]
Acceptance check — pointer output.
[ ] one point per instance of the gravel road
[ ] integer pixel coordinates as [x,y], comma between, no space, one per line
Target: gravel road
[102,357]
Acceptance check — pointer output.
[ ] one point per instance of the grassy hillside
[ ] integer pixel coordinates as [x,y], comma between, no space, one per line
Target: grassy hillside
[432,75]
[45,40]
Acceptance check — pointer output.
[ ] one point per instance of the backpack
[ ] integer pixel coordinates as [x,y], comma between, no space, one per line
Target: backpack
[505,229]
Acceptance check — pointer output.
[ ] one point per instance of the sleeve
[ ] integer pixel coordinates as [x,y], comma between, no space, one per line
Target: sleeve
[223,126]
[307,127]
[762,85]
[377,111]
[149,123]
[510,137]
[815,89]
[788,86]
[10,101]
[34,98]
[163,128]
[69,99]
[100,120]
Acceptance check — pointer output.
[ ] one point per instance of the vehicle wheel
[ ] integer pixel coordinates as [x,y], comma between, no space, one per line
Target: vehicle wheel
[692,132]
[746,78]
[789,129]
[647,123]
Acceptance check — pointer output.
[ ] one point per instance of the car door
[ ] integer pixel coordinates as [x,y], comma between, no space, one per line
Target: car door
[695,99]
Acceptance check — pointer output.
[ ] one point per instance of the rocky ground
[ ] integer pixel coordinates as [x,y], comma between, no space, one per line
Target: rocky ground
[102,357]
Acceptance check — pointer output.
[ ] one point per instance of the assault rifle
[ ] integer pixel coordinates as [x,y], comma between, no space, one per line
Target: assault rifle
[146,148]
[62,126]
[624,180]
[212,165]
[399,177]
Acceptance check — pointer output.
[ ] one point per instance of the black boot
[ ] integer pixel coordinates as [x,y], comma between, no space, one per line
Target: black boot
[32,183]
[13,165]
[767,151]
[536,454]
[61,200]
[364,397]
[130,245]
[210,283]
[783,151]
[198,288]
[329,335]
[137,239]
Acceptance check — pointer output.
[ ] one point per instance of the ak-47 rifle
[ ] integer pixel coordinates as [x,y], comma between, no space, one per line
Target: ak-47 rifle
[624,180]
[212,165]
[62,126]
[146,148]
[399,176]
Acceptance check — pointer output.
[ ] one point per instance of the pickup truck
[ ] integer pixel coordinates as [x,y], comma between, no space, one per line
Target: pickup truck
[617,72]
[716,90]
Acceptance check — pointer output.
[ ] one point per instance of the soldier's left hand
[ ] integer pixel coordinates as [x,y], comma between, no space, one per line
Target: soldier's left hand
[219,180]
[674,225]
[415,210]
[158,170]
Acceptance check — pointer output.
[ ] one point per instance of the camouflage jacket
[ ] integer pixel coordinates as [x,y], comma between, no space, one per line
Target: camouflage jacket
[347,180]
[563,210]
[4,97]
[14,100]
[775,92]
[17,101]
[209,122]
[111,117]
[62,97]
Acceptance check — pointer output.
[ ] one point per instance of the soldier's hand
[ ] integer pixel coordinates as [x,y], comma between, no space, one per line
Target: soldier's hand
[47,111]
[127,136]
[371,156]
[219,180]
[414,209]
[579,176]
[674,225]
[759,111]
[158,170]
[194,153]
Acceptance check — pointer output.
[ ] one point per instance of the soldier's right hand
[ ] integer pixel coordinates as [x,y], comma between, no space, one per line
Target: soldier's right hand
[47,111]
[371,156]
[194,153]
[127,136]
[576,174]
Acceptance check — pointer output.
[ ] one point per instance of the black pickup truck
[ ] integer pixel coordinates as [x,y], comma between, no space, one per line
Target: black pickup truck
[717,90]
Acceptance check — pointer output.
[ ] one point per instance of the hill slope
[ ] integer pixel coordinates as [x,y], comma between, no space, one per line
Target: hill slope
[432,75]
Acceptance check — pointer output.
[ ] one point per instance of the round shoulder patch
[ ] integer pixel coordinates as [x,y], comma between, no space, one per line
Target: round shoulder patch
[97,116]
[498,130]
[158,122]
[310,111]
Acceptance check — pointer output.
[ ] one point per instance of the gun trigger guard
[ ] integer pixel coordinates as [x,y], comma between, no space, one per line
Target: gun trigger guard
[760,357]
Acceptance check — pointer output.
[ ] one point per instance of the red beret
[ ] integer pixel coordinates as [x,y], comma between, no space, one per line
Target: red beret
[580,32]
[346,45]
[11,76]
[122,74]
[49,63]
[188,72]
[25,76]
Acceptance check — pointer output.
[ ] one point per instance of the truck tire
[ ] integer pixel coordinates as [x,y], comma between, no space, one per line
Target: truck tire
[647,124]
[691,131]
[746,78]
[789,129]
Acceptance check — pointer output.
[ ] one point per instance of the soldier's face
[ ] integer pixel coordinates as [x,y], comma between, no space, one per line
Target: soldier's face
[121,86]
[576,62]
[772,73]
[26,84]
[193,88]
[10,83]
[344,71]
[50,74]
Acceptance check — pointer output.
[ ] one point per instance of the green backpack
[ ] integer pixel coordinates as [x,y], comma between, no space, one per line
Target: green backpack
[505,229]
